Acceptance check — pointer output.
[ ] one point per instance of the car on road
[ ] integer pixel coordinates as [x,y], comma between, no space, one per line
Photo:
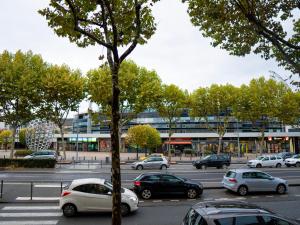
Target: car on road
[214,160]
[44,154]
[151,155]
[244,181]
[148,185]
[232,213]
[294,161]
[93,195]
[151,163]
[285,155]
[266,161]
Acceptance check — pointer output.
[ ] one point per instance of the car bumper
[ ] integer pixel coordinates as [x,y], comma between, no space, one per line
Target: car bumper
[290,164]
[230,186]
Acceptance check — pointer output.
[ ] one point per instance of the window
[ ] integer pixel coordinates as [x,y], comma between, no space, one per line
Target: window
[266,159]
[193,218]
[260,175]
[247,220]
[151,178]
[231,174]
[169,178]
[92,189]
[249,175]
[273,158]
[274,221]
[224,221]
[278,157]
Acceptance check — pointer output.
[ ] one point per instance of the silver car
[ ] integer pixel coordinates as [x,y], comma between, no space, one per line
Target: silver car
[243,181]
[44,154]
[151,163]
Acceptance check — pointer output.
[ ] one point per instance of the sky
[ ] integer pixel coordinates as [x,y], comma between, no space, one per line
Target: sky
[177,51]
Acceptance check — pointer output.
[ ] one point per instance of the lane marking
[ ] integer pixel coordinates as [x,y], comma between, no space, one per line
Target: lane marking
[48,185]
[31,214]
[29,222]
[174,200]
[30,207]
[37,198]
[208,199]
[240,198]
[270,196]
[157,200]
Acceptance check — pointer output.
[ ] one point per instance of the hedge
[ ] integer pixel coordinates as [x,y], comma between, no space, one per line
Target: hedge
[23,153]
[28,163]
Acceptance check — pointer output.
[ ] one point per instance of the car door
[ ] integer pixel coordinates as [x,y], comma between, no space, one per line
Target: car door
[249,178]
[171,184]
[157,162]
[266,162]
[265,182]
[212,161]
[149,163]
[273,161]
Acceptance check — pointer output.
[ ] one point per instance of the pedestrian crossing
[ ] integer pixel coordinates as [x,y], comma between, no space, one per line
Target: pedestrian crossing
[30,215]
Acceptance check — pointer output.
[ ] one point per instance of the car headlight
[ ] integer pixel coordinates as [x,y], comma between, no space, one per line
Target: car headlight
[133,198]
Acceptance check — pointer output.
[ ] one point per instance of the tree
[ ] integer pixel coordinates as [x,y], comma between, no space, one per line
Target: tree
[111,24]
[244,26]
[22,136]
[62,90]
[261,102]
[20,75]
[170,107]
[139,90]
[6,138]
[215,101]
[143,136]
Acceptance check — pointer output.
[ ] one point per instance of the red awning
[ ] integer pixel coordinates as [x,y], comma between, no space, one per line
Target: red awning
[179,142]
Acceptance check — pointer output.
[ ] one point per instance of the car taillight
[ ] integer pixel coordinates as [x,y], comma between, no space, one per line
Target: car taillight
[137,183]
[65,193]
[233,180]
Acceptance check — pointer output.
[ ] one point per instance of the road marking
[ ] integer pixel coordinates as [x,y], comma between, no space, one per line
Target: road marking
[35,222]
[174,200]
[297,195]
[270,196]
[48,185]
[193,199]
[157,200]
[222,199]
[30,207]
[208,199]
[240,198]
[31,214]
[141,201]
[254,196]
[37,198]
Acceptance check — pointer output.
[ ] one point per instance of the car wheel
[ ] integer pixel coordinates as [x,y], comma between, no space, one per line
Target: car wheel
[224,166]
[281,189]
[146,194]
[125,210]
[203,167]
[139,167]
[243,190]
[288,165]
[198,167]
[69,210]
[163,167]
[192,193]
[278,165]
[298,164]
[258,165]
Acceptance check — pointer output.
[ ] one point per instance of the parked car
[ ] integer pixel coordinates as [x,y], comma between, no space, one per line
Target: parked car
[232,213]
[150,184]
[285,155]
[266,161]
[151,155]
[44,154]
[151,163]
[294,161]
[214,160]
[244,181]
[93,194]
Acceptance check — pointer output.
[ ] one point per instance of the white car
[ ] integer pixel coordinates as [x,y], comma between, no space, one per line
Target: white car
[294,161]
[94,195]
[266,161]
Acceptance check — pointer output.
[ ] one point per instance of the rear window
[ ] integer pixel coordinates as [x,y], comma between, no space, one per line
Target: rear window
[241,220]
[151,178]
[224,221]
[230,174]
[194,218]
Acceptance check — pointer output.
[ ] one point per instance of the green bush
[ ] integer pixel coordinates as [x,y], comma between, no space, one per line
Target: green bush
[23,153]
[28,163]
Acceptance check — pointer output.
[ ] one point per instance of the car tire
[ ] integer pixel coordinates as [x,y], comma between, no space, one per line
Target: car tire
[192,193]
[224,166]
[203,167]
[125,209]
[278,165]
[242,190]
[139,167]
[146,194]
[69,210]
[258,165]
[288,165]
[297,164]
[198,167]
[281,189]
[163,167]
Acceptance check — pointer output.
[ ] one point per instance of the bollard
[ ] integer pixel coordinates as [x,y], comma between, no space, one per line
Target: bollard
[83,158]
[1,191]
[4,156]
[31,189]
[61,187]
[95,158]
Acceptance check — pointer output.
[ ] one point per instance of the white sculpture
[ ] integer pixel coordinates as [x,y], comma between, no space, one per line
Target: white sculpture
[39,134]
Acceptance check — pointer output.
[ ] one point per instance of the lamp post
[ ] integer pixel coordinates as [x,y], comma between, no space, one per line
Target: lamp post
[77,129]
[238,138]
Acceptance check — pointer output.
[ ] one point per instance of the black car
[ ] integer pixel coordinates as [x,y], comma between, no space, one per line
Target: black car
[152,184]
[214,160]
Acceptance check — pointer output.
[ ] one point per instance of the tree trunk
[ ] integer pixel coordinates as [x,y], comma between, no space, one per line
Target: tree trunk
[116,173]
[137,152]
[13,142]
[262,141]
[62,141]
[220,144]
[169,144]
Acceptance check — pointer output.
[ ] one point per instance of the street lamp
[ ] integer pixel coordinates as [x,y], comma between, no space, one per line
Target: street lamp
[77,126]
[238,138]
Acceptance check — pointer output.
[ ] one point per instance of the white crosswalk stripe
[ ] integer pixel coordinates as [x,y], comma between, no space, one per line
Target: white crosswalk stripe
[30,215]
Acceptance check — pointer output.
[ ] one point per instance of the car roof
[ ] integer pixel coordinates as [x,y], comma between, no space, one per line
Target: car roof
[77,182]
[244,170]
[211,208]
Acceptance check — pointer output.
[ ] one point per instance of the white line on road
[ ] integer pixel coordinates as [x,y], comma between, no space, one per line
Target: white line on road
[48,185]
[37,198]
[157,200]
[29,207]
[31,214]
[174,200]
[35,222]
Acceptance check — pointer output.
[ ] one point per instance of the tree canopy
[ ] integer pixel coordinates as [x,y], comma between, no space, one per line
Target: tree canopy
[268,28]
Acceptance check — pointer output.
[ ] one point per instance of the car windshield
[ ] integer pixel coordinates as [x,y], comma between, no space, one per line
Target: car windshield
[207,157]
[260,157]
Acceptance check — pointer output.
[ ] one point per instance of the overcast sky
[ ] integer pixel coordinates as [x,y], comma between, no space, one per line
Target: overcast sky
[177,51]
